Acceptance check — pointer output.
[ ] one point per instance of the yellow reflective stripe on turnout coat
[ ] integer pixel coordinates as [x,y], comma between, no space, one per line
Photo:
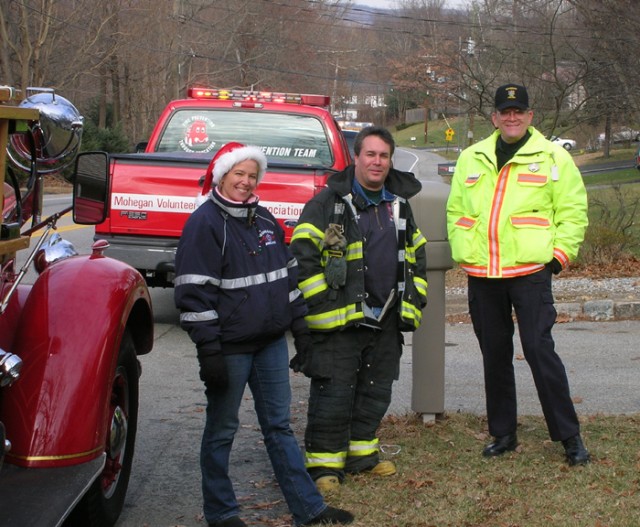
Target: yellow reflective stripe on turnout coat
[331,309]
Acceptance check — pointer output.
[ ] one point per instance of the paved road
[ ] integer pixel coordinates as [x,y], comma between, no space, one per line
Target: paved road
[607,167]
[602,360]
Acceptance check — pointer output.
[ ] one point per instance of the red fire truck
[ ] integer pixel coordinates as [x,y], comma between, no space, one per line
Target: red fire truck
[70,338]
[153,192]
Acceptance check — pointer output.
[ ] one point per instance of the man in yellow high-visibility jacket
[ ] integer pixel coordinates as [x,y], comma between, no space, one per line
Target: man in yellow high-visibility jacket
[517,214]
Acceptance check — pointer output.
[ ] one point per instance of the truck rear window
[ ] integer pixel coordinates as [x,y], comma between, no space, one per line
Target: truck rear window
[284,138]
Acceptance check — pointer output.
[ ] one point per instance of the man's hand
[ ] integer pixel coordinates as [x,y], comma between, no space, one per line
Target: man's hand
[555,266]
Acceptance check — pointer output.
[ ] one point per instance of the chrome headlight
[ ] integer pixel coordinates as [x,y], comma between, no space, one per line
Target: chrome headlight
[57,134]
[56,248]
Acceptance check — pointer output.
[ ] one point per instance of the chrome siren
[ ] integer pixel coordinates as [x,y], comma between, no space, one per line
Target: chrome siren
[56,135]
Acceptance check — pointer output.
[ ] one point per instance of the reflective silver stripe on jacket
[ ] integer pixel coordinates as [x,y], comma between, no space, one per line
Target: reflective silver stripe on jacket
[199,317]
[195,279]
[256,279]
[294,294]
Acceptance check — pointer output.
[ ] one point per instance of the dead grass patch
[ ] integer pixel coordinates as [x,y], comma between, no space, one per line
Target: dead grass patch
[444,481]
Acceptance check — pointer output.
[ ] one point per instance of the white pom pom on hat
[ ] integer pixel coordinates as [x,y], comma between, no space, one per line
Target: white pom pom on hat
[233,153]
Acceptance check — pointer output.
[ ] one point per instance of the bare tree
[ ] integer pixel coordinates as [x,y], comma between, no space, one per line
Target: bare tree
[613,74]
[49,42]
[127,58]
[25,30]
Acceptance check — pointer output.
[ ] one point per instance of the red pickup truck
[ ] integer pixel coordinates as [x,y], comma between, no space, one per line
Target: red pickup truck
[154,191]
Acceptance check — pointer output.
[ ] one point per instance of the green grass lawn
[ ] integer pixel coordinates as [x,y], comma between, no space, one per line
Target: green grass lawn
[618,177]
[436,136]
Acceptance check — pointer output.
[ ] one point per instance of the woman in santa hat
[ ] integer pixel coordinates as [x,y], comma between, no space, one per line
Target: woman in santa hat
[236,288]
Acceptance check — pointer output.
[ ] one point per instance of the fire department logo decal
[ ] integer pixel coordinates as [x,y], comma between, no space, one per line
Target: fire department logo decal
[196,135]
[266,237]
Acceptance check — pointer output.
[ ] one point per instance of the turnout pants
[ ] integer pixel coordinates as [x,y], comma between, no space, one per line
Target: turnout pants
[350,392]
[490,305]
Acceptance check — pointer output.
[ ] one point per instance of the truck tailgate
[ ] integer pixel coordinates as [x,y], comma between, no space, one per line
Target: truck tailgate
[152,196]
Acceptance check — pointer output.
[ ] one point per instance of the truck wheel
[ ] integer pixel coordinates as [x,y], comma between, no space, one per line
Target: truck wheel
[102,504]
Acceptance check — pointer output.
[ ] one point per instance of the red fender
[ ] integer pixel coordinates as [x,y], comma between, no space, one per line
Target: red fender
[68,337]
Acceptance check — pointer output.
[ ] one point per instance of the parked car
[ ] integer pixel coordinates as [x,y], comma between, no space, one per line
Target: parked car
[567,144]
[620,135]
[638,158]
[350,136]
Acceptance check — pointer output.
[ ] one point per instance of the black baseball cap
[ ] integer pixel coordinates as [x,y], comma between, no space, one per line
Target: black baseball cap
[512,96]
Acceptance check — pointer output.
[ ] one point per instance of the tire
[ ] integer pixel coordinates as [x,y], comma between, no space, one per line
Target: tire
[102,504]
[567,146]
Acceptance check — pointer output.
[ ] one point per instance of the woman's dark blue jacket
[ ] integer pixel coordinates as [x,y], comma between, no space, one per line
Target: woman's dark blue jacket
[236,281]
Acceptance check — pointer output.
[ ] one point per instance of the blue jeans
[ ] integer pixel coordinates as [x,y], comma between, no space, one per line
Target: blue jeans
[267,373]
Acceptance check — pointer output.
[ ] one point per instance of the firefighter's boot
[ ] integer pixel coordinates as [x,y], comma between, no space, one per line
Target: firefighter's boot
[327,484]
[384,468]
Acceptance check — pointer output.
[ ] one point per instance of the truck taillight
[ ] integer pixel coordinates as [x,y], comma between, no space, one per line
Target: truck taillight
[249,96]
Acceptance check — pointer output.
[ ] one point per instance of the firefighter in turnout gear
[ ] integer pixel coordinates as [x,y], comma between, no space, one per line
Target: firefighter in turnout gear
[362,271]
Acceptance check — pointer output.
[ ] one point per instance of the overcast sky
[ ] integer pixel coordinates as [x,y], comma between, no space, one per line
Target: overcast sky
[394,3]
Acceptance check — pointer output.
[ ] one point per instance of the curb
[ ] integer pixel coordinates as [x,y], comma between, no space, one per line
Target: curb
[599,310]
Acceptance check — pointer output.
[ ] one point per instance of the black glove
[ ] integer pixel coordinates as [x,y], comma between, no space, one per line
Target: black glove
[302,343]
[213,369]
[555,266]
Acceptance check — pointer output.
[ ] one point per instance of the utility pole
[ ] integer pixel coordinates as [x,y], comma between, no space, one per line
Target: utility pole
[426,119]
[337,68]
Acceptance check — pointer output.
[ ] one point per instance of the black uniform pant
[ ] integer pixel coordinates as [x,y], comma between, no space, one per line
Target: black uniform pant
[490,305]
[349,395]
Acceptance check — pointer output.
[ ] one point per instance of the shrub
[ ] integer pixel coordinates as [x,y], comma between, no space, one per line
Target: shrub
[112,140]
[613,231]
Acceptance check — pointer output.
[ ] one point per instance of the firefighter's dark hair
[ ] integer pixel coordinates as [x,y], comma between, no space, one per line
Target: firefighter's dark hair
[380,131]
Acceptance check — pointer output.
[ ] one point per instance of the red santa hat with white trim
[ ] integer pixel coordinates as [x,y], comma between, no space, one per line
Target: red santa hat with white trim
[233,153]
[227,157]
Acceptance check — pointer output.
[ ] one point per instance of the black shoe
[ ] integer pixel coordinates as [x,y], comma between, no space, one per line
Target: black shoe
[234,521]
[500,445]
[331,515]
[576,452]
